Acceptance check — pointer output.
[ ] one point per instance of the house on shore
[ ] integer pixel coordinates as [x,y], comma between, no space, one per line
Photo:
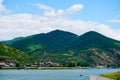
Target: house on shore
[8,63]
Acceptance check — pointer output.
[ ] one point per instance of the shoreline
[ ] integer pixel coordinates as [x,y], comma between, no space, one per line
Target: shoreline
[98,78]
[50,68]
[43,68]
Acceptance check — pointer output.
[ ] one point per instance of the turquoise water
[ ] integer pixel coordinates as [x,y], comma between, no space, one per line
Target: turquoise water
[51,74]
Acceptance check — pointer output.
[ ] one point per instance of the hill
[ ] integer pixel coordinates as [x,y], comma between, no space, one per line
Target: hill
[10,53]
[53,41]
[91,48]
[95,40]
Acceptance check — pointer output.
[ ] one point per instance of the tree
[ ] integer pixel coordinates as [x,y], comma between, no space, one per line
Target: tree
[71,64]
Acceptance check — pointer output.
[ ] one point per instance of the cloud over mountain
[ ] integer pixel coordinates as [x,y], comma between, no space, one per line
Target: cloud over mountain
[15,25]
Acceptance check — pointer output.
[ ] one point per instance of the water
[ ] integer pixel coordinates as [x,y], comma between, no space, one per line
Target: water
[51,74]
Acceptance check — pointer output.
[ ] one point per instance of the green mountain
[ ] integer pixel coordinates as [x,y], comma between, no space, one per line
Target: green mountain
[10,42]
[10,53]
[97,49]
[64,47]
[95,40]
[53,41]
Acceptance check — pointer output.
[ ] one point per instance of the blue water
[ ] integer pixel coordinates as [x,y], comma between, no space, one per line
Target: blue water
[51,74]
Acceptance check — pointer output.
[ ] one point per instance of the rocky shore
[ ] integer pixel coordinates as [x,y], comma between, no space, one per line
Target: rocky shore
[98,78]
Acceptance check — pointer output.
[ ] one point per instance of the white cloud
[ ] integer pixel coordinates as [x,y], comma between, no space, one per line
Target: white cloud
[75,8]
[27,24]
[72,9]
[17,25]
[3,9]
[114,21]
[43,7]
[50,12]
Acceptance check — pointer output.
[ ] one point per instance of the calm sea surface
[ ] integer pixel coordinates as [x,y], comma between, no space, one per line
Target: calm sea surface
[51,74]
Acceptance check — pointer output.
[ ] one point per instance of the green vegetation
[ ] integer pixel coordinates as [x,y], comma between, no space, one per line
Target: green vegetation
[115,76]
[69,49]
[9,53]
[55,41]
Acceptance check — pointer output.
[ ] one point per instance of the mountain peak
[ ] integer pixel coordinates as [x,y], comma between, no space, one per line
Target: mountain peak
[56,31]
[92,34]
[60,32]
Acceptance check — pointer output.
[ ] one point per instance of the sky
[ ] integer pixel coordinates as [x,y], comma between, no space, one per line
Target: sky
[20,18]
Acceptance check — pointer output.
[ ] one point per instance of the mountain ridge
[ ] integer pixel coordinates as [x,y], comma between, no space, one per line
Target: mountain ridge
[60,46]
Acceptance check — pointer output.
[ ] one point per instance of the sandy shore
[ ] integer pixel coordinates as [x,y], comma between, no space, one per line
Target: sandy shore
[98,78]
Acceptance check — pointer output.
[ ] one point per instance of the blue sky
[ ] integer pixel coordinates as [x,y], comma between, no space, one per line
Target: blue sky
[77,16]
[94,10]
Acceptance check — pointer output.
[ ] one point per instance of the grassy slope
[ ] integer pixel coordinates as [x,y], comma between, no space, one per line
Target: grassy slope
[9,53]
[115,76]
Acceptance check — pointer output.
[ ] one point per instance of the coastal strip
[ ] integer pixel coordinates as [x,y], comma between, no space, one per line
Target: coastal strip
[98,78]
